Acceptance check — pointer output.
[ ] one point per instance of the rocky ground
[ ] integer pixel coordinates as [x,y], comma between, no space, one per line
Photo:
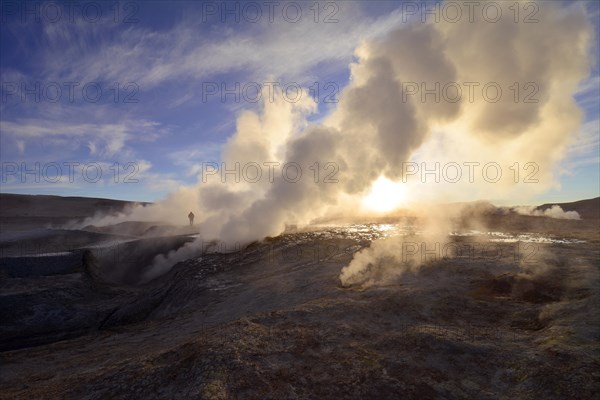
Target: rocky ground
[272,321]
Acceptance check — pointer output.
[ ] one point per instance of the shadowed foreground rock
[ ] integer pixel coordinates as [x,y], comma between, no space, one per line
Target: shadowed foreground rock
[272,322]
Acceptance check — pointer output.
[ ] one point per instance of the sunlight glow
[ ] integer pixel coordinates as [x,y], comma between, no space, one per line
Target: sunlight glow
[385,195]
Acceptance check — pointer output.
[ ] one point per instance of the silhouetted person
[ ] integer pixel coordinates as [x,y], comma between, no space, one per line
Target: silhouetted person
[191,217]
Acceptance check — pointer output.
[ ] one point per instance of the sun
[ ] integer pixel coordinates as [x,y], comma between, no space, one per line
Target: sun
[385,195]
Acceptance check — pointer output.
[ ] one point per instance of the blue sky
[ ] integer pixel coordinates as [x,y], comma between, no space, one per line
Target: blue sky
[145,68]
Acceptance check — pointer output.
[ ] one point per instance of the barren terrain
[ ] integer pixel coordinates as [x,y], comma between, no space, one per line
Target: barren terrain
[273,320]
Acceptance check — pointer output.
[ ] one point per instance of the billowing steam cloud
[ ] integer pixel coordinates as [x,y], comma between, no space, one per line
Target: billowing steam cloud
[385,119]
[553,212]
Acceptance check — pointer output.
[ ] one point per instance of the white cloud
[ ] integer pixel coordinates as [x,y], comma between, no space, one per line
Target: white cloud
[151,58]
[584,148]
[105,140]
[191,158]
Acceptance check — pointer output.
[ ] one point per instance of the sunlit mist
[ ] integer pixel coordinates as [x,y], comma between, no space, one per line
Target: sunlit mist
[385,195]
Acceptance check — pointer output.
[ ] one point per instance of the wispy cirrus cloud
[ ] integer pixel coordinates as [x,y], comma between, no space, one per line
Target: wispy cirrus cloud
[104,139]
[192,50]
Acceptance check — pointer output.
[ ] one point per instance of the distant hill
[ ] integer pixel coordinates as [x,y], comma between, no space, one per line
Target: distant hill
[45,205]
[587,209]
[30,211]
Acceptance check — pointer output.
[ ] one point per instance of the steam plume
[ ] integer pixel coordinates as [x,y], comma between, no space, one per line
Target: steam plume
[553,212]
[378,125]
